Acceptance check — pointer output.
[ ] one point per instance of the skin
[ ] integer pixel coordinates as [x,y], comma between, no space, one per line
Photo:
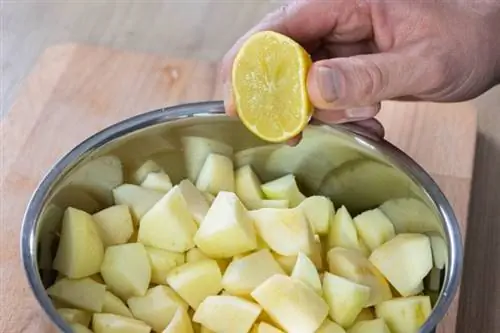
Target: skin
[367,51]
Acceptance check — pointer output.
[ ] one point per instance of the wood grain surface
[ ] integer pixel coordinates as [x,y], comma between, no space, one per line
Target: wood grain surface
[74,91]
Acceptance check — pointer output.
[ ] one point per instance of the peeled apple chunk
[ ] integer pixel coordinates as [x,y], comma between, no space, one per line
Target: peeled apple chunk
[80,251]
[286,262]
[291,304]
[168,225]
[319,212]
[216,175]
[137,198]
[113,304]
[162,262]
[227,229]
[75,316]
[79,328]
[157,181]
[157,307]
[405,315]
[84,294]
[111,323]
[243,275]
[146,168]
[126,270]
[197,202]
[115,224]
[263,327]
[370,326]
[284,188]
[306,272]
[404,261]
[195,281]
[439,251]
[345,298]
[286,231]
[247,186]
[227,314]
[343,232]
[180,323]
[350,264]
[374,228]
[329,326]
[409,215]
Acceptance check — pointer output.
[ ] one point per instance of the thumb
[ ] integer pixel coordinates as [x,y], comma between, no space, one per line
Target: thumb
[365,80]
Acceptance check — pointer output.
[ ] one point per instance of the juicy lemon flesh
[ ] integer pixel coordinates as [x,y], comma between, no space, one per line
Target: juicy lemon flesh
[269,82]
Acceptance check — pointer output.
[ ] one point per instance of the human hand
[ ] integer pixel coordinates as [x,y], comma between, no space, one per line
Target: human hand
[369,51]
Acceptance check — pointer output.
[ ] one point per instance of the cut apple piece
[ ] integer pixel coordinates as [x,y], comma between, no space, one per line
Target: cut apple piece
[286,262]
[195,281]
[404,260]
[263,327]
[195,254]
[111,323]
[286,231]
[115,224]
[319,212]
[157,181]
[291,304]
[216,175]
[137,198]
[197,202]
[243,275]
[227,314]
[365,314]
[181,323]
[370,326]
[439,251]
[409,215]
[345,298]
[157,307]
[255,156]
[75,316]
[374,228]
[84,294]
[227,229]
[351,264]
[126,270]
[80,249]
[196,150]
[343,232]
[284,188]
[162,262]
[405,315]
[169,225]
[145,169]
[329,326]
[306,272]
[113,304]
[247,186]
[79,328]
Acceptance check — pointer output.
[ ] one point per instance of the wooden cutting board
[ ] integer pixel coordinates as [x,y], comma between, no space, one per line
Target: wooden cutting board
[76,90]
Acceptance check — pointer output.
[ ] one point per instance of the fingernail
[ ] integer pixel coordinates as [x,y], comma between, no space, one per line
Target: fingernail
[327,84]
[363,112]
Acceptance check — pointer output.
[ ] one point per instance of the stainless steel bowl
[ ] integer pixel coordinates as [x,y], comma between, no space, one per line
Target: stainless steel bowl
[324,154]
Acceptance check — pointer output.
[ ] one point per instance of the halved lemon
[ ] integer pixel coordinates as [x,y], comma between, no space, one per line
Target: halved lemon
[269,86]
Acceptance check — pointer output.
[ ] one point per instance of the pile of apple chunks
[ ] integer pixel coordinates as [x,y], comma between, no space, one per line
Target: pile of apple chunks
[228,254]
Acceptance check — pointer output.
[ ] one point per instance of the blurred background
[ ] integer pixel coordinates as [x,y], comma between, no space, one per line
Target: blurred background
[204,30]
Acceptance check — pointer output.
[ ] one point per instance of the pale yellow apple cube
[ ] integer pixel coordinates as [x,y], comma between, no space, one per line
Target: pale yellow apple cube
[168,225]
[146,168]
[370,326]
[137,198]
[439,251]
[411,215]
[162,262]
[157,307]
[75,316]
[247,187]
[291,304]
[243,275]
[284,188]
[227,229]
[374,228]
[343,233]
[180,323]
[126,270]
[216,175]
[405,261]
[111,323]
[79,328]
[306,272]
[115,224]
[196,200]
[286,262]
[405,315]
[345,298]
[352,265]
[80,251]
[113,304]
[157,181]
[195,254]
[195,281]
[227,314]
[329,326]
[319,212]
[84,294]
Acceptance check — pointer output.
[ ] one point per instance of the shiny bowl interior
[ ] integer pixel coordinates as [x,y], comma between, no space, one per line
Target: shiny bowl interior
[324,153]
